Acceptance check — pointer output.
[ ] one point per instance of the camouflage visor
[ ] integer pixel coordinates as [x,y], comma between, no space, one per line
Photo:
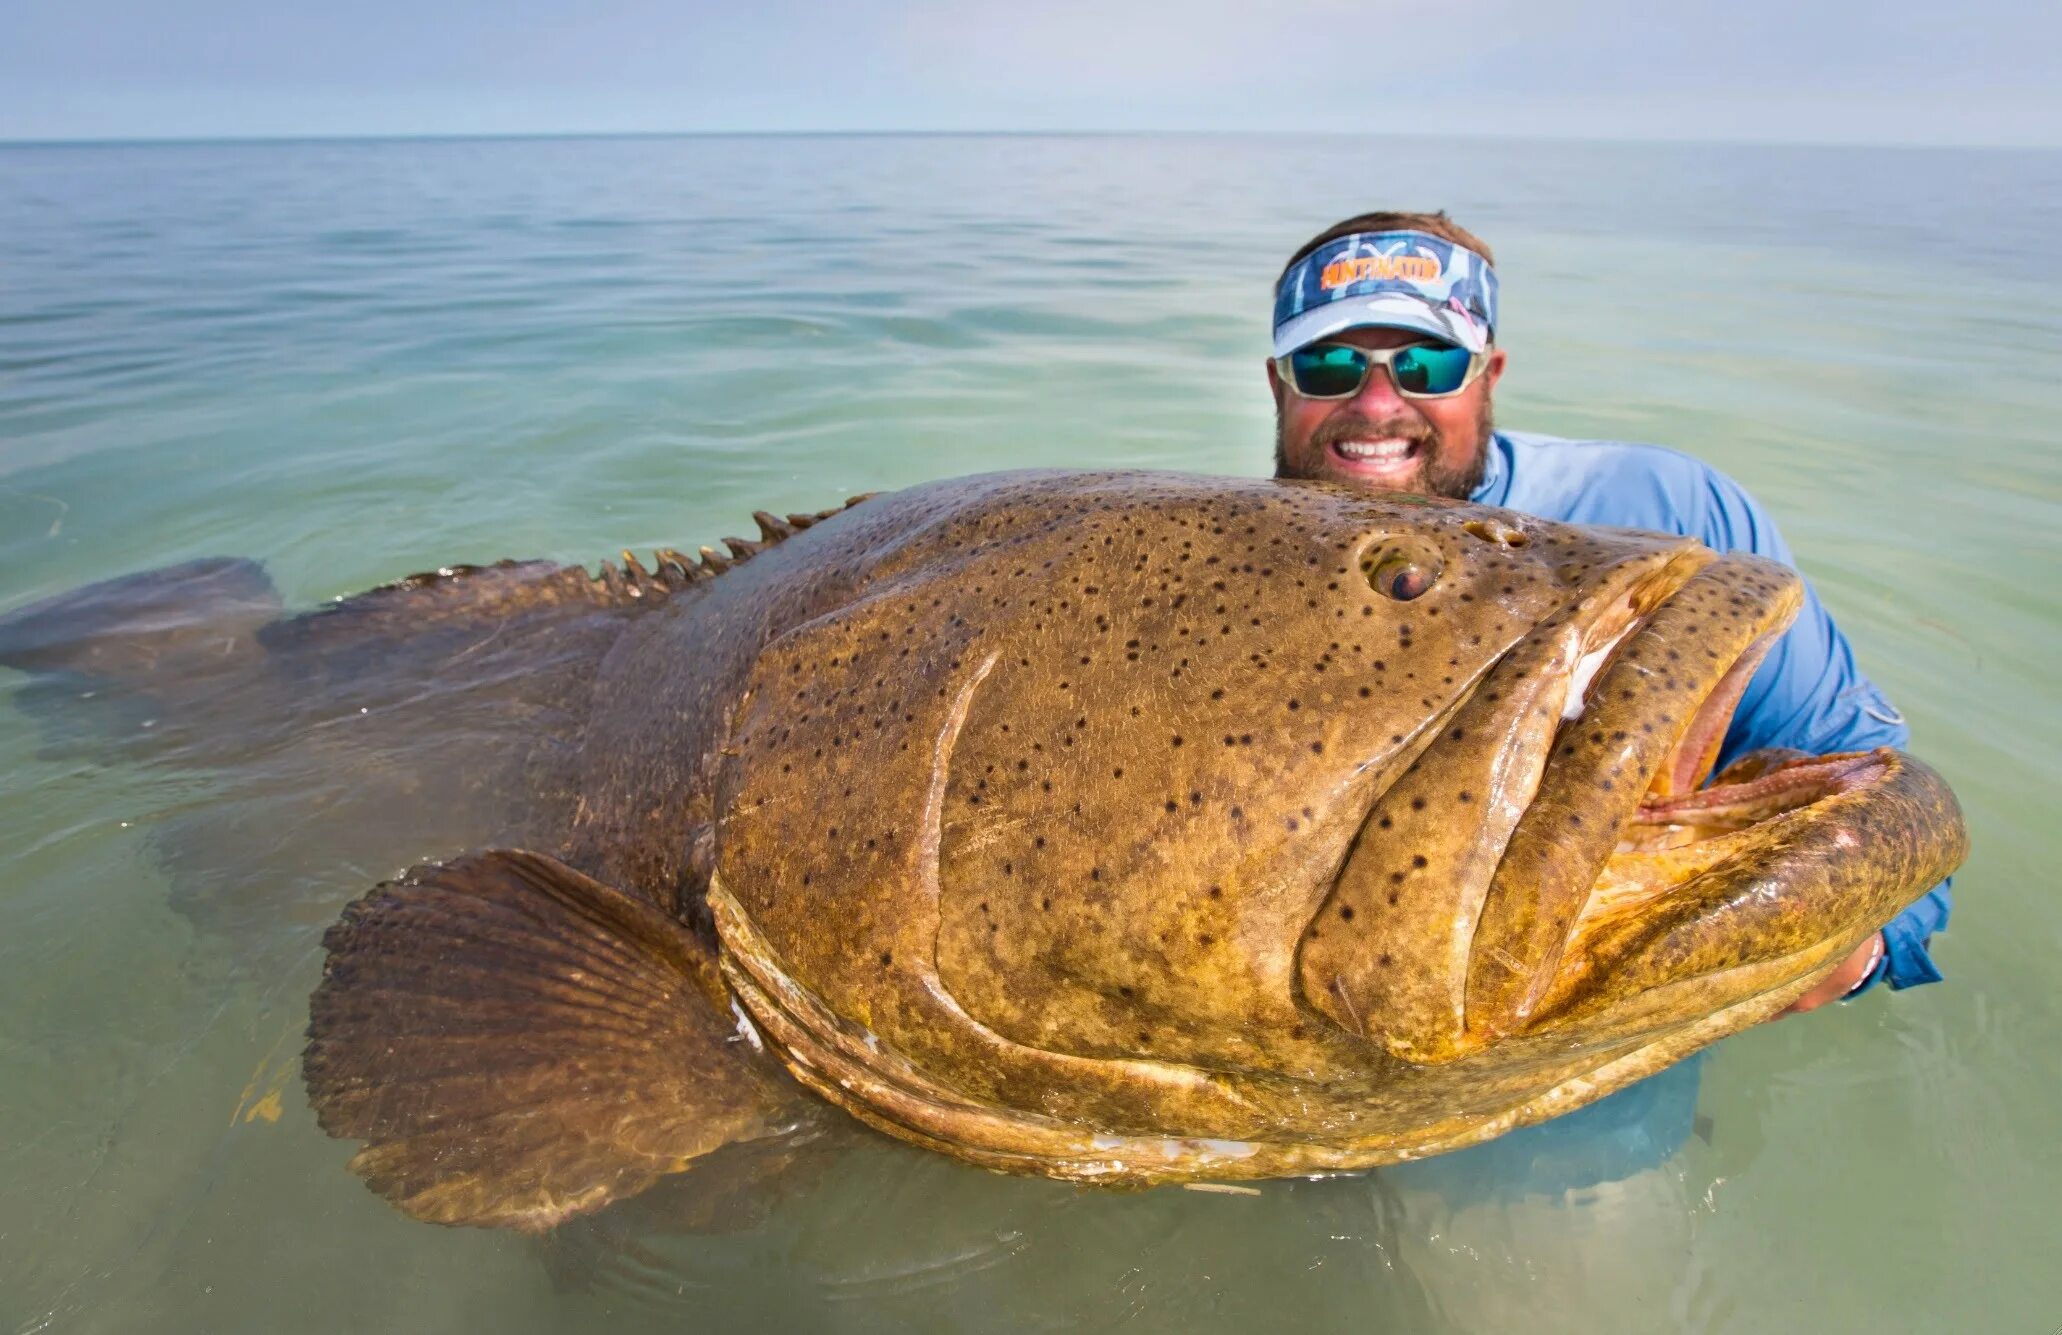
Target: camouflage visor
[1400,280]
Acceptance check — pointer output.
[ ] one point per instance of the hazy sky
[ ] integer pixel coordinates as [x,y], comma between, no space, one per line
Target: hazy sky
[1884,71]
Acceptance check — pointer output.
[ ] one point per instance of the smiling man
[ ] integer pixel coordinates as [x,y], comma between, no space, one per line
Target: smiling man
[1385,362]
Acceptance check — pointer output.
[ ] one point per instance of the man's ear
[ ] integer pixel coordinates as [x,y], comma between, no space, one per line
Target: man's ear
[1494,370]
[1274,383]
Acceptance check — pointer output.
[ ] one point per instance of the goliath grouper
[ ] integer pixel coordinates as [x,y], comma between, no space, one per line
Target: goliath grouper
[1126,828]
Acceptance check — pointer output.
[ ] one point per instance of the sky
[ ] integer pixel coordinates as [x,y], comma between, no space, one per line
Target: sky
[1823,71]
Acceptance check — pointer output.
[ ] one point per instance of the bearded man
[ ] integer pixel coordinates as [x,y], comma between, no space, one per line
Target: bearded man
[1385,362]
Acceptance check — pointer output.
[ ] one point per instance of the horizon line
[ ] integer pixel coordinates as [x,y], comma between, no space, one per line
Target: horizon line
[437,136]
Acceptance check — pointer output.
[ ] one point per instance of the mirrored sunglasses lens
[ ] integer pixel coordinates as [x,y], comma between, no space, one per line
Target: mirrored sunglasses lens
[1430,370]
[1327,372]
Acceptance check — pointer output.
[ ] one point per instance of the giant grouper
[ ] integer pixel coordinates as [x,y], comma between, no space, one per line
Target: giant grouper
[1120,827]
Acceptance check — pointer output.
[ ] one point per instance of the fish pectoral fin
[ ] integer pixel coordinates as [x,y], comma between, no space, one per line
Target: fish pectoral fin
[518,1043]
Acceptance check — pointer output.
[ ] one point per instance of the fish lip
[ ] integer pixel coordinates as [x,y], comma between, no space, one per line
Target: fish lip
[1791,786]
[1856,836]
[1522,944]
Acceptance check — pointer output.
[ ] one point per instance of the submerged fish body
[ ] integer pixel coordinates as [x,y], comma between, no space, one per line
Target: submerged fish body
[1121,827]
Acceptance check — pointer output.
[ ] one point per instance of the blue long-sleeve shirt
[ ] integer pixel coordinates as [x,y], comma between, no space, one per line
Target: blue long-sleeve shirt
[1807,694]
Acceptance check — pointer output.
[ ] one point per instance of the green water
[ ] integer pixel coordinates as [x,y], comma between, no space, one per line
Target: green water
[353,361]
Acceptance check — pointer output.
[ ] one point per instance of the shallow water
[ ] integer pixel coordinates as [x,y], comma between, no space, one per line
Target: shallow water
[356,360]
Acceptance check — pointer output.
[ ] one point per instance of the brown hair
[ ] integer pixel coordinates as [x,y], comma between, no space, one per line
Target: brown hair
[1434,224]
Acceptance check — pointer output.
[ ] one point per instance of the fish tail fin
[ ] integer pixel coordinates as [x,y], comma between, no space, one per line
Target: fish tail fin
[518,1043]
[175,624]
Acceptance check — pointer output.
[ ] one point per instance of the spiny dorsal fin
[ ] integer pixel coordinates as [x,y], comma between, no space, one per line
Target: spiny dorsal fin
[456,593]
[474,590]
[679,569]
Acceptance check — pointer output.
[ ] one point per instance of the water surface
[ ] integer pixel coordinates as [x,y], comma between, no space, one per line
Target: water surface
[356,360]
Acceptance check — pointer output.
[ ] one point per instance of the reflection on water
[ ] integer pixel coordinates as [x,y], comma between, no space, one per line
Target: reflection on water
[354,361]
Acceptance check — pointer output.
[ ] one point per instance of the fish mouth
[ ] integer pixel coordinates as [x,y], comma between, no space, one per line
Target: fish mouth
[1661,669]
[1675,901]
[1572,880]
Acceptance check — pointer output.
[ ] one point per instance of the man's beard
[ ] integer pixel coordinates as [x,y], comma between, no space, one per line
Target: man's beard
[1434,478]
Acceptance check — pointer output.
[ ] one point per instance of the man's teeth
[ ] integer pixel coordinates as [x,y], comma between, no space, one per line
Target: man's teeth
[1384,450]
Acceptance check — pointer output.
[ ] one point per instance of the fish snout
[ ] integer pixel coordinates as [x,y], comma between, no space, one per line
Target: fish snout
[1487,892]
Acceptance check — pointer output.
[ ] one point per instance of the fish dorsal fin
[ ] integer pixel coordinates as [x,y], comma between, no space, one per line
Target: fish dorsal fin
[672,569]
[475,590]
[518,1043]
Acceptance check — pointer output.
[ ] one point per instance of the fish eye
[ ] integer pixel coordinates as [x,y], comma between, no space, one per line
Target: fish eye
[1401,575]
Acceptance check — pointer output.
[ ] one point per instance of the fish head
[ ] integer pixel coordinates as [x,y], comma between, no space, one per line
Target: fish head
[1216,807]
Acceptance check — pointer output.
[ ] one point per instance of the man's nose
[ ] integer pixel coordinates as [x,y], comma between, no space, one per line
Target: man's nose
[1377,396]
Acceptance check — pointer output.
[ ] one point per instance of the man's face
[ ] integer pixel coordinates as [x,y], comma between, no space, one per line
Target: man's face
[1380,440]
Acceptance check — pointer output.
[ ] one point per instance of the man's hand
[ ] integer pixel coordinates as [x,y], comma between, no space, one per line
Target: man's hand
[1842,980]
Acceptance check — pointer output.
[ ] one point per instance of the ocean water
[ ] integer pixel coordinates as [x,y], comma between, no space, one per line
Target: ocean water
[357,360]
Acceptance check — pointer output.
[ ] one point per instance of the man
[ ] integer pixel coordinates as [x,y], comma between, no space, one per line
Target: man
[1384,363]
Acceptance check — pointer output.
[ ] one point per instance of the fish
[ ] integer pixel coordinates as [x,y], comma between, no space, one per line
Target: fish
[1120,827]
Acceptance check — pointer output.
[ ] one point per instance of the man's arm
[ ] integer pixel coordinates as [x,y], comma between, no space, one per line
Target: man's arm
[1808,694]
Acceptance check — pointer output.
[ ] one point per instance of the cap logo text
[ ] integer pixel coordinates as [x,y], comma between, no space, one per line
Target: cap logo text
[1362,268]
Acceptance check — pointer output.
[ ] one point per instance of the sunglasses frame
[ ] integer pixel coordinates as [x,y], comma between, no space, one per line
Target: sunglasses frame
[1382,357]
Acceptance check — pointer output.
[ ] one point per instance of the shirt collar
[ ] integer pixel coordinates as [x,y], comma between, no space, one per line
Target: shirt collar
[1495,486]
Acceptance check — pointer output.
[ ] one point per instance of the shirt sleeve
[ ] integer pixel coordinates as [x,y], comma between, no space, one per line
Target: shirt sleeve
[1809,694]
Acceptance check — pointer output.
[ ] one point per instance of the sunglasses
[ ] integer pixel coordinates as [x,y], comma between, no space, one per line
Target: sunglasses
[1338,370]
